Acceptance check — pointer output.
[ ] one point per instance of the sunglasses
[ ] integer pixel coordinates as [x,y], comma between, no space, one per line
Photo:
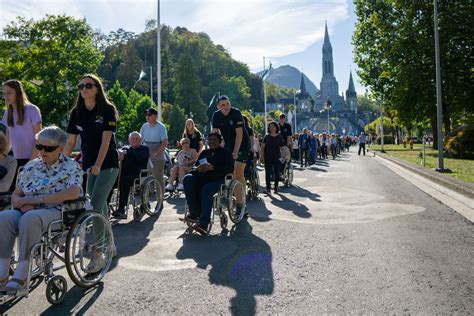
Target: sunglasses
[47,149]
[88,86]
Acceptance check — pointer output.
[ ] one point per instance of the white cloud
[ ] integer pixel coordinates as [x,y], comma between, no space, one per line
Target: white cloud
[249,29]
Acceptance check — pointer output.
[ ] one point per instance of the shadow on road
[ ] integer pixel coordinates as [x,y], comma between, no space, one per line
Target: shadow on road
[132,237]
[76,296]
[248,270]
[287,204]
[302,192]
[9,303]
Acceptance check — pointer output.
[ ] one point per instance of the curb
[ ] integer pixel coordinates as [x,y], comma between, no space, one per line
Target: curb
[458,186]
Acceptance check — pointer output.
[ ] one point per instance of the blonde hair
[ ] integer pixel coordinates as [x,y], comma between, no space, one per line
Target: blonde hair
[185,132]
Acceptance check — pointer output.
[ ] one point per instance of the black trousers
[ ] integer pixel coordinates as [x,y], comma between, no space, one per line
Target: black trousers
[305,155]
[126,182]
[362,146]
[272,167]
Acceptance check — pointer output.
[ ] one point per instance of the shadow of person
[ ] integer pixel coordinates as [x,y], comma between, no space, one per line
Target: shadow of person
[77,301]
[130,238]
[258,210]
[247,269]
[301,192]
[287,204]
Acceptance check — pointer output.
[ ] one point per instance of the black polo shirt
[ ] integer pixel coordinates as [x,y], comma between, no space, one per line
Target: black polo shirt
[285,131]
[194,140]
[227,124]
[91,125]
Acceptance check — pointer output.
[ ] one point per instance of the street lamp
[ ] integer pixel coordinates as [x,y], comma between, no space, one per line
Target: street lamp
[328,106]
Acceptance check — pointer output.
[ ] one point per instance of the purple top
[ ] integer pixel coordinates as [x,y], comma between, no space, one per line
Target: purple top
[22,137]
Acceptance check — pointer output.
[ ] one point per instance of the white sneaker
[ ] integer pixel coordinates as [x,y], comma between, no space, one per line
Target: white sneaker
[96,264]
[169,187]
[180,187]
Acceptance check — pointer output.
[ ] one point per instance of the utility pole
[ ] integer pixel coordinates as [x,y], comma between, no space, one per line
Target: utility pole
[439,107]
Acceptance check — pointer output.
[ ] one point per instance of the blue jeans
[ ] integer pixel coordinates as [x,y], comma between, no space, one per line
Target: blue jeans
[200,197]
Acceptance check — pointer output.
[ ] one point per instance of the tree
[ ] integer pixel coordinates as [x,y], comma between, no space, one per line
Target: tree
[235,88]
[118,97]
[187,90]
[51,50]
[394,49]
[175,119]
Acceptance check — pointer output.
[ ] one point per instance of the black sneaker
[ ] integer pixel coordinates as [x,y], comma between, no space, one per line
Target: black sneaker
[120,214]
[276,190]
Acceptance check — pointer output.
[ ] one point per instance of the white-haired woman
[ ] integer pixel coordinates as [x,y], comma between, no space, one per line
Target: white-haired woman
[46,182]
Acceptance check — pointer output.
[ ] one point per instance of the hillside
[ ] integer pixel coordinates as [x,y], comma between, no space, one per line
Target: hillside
[289,77]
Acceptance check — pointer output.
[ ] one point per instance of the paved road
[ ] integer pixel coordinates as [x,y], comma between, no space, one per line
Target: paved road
[350,236]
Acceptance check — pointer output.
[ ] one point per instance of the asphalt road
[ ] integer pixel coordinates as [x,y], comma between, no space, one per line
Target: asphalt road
[350,236]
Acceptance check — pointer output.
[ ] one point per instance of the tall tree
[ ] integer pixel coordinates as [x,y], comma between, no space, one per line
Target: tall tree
[50,52]
[187,90]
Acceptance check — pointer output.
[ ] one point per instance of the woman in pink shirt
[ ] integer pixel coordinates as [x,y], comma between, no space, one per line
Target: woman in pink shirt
[23,121]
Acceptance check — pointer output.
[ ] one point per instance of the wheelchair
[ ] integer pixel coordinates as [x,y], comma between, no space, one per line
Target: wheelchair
[75,241]
[253,181]
[287,173]
[145,196]
[224,200]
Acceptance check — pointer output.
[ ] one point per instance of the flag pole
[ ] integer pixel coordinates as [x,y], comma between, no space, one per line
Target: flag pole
[151,84]
[158,60]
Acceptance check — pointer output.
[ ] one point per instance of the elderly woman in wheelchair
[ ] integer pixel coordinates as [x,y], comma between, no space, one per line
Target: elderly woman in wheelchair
[46,182]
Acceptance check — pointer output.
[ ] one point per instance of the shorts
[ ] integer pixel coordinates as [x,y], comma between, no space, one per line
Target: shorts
[243,156]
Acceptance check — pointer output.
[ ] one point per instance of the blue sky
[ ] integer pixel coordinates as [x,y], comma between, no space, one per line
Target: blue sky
[285,31]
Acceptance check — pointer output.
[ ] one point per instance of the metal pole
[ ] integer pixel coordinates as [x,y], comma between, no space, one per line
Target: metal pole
[439,108]
[328,120]
[424,150]
[294,102]
[381,126]
[264,97]
[151,84]
[158,61]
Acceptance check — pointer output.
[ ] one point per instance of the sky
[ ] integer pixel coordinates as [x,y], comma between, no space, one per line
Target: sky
[284,31]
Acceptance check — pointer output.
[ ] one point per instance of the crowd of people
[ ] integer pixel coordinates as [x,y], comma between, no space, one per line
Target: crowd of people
[51,177]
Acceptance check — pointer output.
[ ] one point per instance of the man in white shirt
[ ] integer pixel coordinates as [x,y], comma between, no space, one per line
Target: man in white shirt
[155,137]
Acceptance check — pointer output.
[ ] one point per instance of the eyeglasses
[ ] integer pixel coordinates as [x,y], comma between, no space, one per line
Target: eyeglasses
[88,86]
[47,149]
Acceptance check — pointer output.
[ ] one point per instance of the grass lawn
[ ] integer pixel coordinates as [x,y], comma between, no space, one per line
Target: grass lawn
[461,169]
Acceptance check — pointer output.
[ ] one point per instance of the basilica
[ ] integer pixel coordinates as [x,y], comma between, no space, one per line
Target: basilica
[328,110]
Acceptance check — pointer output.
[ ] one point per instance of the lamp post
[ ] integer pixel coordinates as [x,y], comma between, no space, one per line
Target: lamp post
[381,127]
[328,106]
[439,109]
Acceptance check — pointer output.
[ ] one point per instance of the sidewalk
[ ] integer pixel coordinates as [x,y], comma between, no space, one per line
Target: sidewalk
[456,194]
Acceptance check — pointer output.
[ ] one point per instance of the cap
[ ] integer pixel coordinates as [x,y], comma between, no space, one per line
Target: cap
[151,111]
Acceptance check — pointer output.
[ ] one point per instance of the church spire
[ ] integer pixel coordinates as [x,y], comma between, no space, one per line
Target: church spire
[326,36]
[351,84]
[302,85]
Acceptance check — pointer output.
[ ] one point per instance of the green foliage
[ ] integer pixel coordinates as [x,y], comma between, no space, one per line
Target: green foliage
[175,119]
[461,145]
[259,124]
[51,50]
[387,139]
[187,90]
[235,88]
[373,128]
[118,97]
[394,49]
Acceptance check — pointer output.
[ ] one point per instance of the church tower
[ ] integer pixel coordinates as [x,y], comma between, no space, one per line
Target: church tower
[329,86]
[351,95]
[304,104]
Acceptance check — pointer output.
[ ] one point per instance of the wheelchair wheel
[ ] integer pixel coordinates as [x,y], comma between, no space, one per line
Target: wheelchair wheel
[152,197]
[89,246]
[254,183]
[56,290]
[289,175]
[235,193]
[224,221]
